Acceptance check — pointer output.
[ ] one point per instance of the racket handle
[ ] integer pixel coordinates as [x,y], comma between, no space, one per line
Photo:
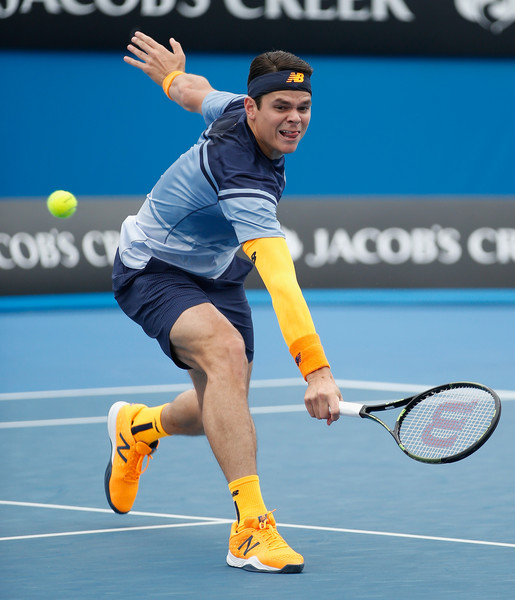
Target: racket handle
[350,409]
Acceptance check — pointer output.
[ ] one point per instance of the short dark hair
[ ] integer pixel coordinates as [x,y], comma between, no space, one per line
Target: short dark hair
[276,60]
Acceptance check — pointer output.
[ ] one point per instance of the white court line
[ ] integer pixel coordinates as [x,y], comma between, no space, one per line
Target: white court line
[257,410]
[402,535]
[91,392]
[180,387]
[96,531]
[258,384]
[52,422]
[109,511]
[410,388]
[199,521]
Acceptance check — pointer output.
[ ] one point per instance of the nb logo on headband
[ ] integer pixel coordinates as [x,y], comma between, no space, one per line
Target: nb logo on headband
[295,77]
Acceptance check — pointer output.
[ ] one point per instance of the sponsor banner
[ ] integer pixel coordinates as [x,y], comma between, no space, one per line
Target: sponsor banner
[340,243]
[374,27]
[409,243]
[40,254]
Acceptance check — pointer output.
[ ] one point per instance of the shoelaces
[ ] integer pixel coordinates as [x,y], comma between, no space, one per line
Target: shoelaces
[135,461]
[271,534]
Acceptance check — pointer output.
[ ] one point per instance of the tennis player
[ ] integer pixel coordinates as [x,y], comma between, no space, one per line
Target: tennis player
[176,274]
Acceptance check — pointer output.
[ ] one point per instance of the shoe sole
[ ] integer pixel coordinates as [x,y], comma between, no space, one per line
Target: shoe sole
[253,565]
[111,429]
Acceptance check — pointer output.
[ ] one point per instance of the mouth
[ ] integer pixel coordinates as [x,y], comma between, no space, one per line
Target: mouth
[290,135]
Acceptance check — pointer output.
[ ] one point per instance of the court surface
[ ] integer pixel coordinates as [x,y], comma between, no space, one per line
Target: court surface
[370,522]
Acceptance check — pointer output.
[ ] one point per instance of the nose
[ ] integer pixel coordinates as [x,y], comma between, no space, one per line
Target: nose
[294,116]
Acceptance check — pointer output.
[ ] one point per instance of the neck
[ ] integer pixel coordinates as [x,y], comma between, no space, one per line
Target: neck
[268,152]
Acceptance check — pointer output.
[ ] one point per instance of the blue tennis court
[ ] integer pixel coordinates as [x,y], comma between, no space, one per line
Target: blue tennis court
[370,522]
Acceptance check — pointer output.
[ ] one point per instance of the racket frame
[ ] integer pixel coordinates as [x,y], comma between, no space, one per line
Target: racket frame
[365,412]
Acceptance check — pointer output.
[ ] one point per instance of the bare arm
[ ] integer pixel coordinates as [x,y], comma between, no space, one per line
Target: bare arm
[157,62]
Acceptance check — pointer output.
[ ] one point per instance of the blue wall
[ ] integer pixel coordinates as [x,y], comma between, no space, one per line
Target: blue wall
[91,124]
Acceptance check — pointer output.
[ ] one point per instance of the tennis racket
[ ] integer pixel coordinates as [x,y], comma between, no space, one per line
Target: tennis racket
[441,425]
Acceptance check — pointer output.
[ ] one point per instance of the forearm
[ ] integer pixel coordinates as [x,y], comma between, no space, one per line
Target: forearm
[275,266]
[281,282]
[187,90]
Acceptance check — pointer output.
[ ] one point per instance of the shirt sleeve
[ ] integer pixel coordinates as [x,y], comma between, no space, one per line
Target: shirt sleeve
[215,103]
[275,266]
[252,213]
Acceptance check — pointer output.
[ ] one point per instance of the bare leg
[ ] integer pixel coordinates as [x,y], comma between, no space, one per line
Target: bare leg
[230,430]
[204,339]
[183,416]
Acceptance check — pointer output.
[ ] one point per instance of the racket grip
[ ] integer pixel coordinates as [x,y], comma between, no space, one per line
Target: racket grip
[350,409]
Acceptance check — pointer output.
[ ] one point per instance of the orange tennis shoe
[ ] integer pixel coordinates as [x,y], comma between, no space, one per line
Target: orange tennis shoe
[255,545]
[123,471]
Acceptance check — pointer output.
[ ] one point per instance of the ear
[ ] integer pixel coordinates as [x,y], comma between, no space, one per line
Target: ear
[250,108]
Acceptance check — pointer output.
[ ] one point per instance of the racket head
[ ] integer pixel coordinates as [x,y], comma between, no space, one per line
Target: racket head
[448,423]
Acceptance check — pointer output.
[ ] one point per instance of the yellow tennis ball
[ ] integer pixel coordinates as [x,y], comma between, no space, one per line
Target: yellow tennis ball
[62,204]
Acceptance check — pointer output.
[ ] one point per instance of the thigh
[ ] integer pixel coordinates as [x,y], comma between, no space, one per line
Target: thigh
[202,336]
[227,293]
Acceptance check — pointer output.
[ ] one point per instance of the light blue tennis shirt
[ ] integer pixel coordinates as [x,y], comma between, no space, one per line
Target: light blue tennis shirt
[222,192]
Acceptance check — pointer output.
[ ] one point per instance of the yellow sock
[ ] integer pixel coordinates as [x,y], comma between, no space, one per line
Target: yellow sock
[147,426]
[247,497]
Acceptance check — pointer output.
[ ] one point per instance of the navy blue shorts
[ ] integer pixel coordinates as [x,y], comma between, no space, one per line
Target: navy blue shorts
[156,296]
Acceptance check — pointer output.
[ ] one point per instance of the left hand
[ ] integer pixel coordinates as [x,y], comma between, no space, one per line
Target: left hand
[323,396]
[154,59]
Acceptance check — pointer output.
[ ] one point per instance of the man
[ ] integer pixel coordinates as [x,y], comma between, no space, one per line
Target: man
[176,274]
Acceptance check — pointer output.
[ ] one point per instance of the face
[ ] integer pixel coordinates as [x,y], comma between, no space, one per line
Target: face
[281,122]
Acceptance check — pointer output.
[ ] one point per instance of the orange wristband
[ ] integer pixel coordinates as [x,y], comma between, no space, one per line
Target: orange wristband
[308,354]
[167,81]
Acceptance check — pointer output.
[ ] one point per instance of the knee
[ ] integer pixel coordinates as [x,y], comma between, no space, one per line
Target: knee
[231,352]
[224,357]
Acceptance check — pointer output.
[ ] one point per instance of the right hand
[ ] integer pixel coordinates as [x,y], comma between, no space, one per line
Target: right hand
[322,397]
[154,59]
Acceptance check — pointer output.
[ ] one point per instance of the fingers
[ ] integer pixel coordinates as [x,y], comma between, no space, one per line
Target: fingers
[334,409]
[154,59]
[142,46]
[324,407]
[176,47]
[133,62]
[322,397]
[137,52]
[145,42]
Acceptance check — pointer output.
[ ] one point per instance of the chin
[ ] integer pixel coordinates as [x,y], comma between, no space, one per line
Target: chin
[289,149]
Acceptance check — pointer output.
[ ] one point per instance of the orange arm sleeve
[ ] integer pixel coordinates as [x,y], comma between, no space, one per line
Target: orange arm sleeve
[275,266]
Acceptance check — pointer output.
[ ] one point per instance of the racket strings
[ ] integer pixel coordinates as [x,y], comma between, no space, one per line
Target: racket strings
[447,422]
